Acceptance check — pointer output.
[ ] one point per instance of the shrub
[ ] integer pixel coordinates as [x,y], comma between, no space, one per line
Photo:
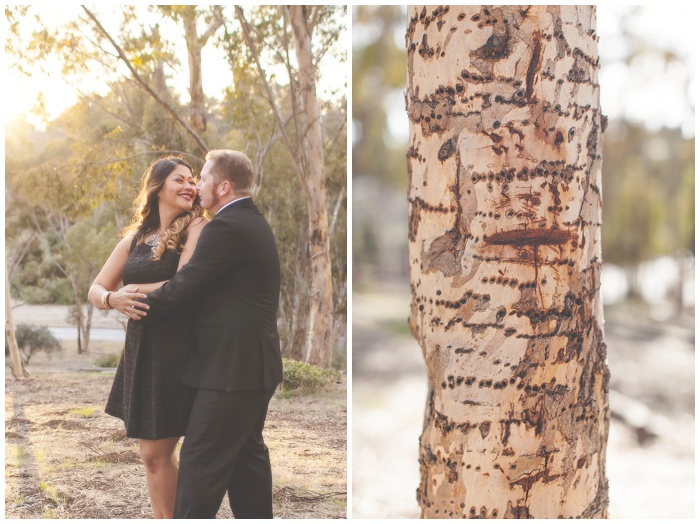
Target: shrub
[340,359]
[32,339]
[108,361]
[307,377]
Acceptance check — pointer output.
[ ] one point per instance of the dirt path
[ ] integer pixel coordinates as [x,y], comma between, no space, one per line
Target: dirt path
[65,458]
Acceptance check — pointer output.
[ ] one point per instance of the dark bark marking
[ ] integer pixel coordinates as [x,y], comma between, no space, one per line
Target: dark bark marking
[452,475]
[484,428]
[526,237]
[528,481]
[447,149]
[505,430]
[534,65]
[519,512]
[425,50]
[414,219]
[558,139]
[446,425]
[497,47]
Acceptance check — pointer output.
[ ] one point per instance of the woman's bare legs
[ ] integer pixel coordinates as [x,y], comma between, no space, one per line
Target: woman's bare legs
[158,457]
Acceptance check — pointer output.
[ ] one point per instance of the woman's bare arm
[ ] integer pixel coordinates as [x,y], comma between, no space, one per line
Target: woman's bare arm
[126,299]
[109,278]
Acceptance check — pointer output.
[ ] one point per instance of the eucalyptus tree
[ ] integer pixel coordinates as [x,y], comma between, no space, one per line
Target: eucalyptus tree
[308,32]
[189,15]
[504,240]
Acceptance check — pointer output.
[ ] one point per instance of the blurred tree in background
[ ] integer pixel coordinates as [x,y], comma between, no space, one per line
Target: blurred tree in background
[71,181]
[649,189]
[379,157]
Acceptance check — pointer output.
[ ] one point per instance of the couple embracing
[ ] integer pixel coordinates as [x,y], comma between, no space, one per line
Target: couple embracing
[202,352]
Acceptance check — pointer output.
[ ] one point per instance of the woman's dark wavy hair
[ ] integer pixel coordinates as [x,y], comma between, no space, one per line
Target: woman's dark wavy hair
[146,218]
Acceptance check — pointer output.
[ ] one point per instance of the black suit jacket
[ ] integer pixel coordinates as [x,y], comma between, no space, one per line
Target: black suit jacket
[233,280]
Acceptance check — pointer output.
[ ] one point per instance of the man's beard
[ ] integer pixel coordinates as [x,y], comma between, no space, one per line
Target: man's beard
[214,199]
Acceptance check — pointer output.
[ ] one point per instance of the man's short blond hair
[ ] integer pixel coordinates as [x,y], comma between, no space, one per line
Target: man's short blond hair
[233,166]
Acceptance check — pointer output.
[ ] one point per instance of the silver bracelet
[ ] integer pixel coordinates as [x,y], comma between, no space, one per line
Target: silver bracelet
[105,300]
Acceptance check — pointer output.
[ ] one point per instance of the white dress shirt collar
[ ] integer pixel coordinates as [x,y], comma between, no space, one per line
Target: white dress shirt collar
[229,203]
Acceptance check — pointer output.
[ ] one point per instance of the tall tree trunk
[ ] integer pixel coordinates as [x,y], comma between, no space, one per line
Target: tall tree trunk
[83,321]
[159,84]
[301,303]
[504,238]
[87,327]
[321,312]
[195,44]
[18,370]
[198,117]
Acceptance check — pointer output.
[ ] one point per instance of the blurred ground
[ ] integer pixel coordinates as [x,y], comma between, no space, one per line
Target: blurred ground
[651,447]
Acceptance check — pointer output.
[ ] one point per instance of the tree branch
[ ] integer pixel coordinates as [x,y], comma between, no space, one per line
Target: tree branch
[336,210]
[275,110]
[114,160]
[22,254]
[94,100]
[200,142]
[215,24]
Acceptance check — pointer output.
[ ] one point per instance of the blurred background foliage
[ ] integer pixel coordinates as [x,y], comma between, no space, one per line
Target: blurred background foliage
[70,180]
[648,172]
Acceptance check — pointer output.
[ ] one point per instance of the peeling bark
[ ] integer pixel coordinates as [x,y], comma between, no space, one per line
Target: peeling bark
[504,243]
[321,313]
[195,44]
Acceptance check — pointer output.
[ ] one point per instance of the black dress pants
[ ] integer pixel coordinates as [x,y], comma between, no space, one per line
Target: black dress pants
[224,451]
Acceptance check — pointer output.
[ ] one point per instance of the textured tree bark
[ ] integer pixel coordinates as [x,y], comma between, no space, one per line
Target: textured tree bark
[321,314]
[195,44]
[504,241]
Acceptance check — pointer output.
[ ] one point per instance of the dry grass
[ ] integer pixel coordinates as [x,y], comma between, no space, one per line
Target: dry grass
[65,458]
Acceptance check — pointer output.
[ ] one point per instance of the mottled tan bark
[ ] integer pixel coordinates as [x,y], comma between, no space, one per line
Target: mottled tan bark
[321,313]
[18,371]
[504,241]
[195,44]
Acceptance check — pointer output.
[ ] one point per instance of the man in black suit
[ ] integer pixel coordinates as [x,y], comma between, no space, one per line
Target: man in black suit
[234,277]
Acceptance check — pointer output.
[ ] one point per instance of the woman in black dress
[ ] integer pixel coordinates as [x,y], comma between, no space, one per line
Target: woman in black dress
[147,393]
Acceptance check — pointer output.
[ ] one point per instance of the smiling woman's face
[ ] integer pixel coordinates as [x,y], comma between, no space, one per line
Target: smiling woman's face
[178,189]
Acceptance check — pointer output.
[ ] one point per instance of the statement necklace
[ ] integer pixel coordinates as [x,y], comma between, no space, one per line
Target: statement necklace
[153,240]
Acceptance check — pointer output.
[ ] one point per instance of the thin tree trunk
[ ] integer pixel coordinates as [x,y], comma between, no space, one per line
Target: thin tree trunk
[300,301]
[504,240]
[307,156]
[159,84]
[18,370]
[83,320]
[321,312]
[195,44]
[87,327]
[198,117]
